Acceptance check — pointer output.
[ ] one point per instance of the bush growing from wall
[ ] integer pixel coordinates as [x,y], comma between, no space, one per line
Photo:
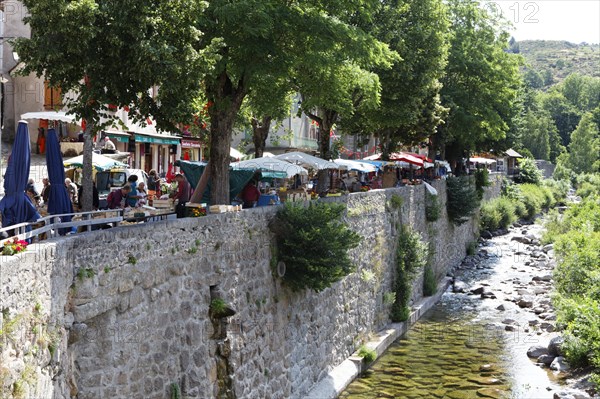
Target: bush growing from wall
[432,207]
[481,181]
[429,282]
[313,243]
[411,255]
[462,200]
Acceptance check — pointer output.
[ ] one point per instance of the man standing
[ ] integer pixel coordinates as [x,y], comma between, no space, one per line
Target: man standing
[184,190]
[72,190]
[109,146]
[45,190]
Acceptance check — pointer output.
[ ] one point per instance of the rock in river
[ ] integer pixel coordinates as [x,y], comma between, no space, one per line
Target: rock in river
[525,302]
[571,394]
[545,359]
[537,351]
[560,364]
[555,346]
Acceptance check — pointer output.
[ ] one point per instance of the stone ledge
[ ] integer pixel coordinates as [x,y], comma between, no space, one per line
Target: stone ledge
[342,375]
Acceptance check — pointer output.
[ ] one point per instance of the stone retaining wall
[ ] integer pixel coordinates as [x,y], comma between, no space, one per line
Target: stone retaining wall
[127,309]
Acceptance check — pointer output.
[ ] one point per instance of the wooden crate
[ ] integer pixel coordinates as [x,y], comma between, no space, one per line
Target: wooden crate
[158,203]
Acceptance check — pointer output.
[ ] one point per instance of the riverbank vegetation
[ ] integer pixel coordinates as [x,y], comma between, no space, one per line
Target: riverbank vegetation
[576,238]
[521,201]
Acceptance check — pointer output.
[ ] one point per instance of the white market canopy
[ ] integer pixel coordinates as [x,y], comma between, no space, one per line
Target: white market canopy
[308,161]
[269,164]
[50,115]
[356,165]
[485,161]
[99,162]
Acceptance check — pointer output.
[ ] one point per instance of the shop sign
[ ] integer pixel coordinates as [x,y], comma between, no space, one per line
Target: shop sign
[191,144]
[155,140]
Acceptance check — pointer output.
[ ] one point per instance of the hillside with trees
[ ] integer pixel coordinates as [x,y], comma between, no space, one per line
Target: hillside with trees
[549,62]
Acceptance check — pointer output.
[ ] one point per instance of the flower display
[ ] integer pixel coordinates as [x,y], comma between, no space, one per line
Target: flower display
[14,247]
[195,212]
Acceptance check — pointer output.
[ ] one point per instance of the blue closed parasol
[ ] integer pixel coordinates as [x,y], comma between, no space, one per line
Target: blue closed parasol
[16,207]
[59,201]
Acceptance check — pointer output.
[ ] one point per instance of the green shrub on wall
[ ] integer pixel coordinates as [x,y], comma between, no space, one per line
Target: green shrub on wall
[462,199]
[481,181]
[411,255]
[313,244]
[429,282]
[432,207]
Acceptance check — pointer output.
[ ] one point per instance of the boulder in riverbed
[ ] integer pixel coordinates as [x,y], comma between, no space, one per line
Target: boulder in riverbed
[486,234]
[477,290]
[560,364]
[525,302]
[522,239]
[546,359]
[571,394]
[555,346]
[459,286]
[537,351]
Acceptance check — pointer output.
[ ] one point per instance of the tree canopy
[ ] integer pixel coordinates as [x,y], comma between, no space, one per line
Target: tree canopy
[104,53]
[480,83]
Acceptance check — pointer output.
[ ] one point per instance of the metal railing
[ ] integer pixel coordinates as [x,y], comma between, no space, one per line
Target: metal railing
[52,224]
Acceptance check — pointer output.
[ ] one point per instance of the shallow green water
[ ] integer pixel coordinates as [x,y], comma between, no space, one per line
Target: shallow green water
[460,350]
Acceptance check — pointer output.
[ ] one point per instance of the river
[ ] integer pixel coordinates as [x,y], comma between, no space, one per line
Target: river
[474,345]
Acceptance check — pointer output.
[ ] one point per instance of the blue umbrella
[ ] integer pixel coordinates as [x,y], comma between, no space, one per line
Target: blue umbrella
[59,201]
[16,207]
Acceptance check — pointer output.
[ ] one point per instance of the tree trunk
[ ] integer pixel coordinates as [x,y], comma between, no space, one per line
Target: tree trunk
[386,147]
[326,121]
[87,178]
[227,100]
[260,132]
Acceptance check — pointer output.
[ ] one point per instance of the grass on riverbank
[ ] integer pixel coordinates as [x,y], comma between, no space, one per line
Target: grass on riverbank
[522,201]
[576,238]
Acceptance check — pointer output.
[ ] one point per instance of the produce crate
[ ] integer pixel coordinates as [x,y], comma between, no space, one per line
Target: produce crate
[158,203]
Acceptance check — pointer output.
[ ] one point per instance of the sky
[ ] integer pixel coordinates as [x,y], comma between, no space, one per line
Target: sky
[575,21]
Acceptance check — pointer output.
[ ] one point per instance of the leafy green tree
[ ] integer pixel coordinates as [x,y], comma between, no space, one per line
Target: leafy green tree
[584,150]
[565,115]
[540,136]
[269,101]
[410,107]
[480,84]
[533,79]
[103,52]
[261,38]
